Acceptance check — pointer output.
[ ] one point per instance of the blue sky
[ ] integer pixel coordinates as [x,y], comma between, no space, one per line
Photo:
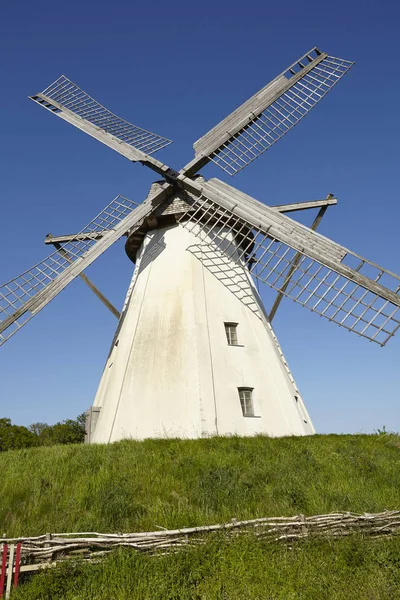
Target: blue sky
[177,68]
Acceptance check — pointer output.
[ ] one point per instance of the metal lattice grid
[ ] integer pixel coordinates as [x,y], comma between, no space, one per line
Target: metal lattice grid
[280,116]
[303,279]
[17,292]
[68,95]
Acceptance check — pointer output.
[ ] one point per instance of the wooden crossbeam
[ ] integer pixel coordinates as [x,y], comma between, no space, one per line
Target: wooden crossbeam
[297,258]
[282,208]
[90,284]
[73,237]
[330,200]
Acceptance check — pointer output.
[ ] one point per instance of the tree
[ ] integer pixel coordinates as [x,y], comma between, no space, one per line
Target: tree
[37,428]
[15,436]
[70,431]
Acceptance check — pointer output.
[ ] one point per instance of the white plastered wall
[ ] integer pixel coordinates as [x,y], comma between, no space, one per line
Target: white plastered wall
[171,373]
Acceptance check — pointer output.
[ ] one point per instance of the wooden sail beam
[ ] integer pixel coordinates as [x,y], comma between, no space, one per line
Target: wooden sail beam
[90,284]
[330,200]
[296,261]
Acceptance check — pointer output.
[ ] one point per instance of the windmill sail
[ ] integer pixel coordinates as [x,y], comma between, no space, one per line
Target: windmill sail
[328,278]
[265,118]
[71,103]
[25,295]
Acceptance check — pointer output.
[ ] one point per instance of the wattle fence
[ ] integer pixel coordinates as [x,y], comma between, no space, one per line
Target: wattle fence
[20,555]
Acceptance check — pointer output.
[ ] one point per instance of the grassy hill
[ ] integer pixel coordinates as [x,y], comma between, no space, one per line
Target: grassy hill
[136,486]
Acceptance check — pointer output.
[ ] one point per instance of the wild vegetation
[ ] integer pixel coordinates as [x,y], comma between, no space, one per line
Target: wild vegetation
[70,431]
[243,569]
[138,486]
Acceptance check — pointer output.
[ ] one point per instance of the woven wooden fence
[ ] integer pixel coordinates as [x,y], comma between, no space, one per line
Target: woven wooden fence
[24,554]
[51,547]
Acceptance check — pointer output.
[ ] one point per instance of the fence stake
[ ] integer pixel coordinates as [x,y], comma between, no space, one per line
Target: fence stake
[10,570]
[3,569]
[17,564]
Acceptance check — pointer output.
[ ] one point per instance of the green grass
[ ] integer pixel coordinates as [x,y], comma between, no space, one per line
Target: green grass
[246,568]
[136,486]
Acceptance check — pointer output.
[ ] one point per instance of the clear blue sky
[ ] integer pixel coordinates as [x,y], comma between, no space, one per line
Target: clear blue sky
[177,68]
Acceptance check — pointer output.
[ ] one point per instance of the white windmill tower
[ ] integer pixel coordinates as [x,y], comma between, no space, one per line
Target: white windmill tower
[194,353]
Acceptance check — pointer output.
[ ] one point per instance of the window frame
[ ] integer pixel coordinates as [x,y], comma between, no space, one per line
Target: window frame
[244,401]
[229,327]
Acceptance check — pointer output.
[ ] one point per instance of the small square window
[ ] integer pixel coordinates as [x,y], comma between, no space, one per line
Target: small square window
[231,333]
[246,401]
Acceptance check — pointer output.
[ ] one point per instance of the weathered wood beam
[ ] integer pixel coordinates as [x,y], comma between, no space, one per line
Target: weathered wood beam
[96,235]
[295,262]
[278,225]
[73,237]
[225,131]
[44,296]
[90,285]
[131,153]
[284,208]
[290,232]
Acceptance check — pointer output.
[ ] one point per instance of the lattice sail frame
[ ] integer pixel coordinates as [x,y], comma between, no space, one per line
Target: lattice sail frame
[64,94]
[268,115]
[16,295]
[234,143]
[297,276]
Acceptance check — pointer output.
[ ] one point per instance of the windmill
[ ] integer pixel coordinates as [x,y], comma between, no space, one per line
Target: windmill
[194,353]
